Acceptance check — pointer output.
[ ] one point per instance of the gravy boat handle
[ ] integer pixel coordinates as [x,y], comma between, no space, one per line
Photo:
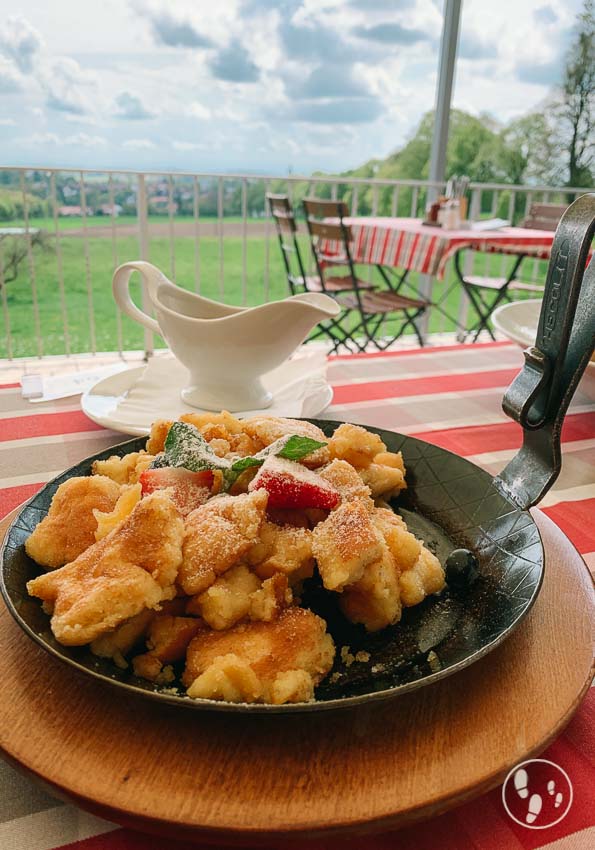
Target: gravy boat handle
[121,290]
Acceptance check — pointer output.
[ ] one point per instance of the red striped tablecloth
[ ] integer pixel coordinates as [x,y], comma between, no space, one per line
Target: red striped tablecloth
[408,244]
[450,396]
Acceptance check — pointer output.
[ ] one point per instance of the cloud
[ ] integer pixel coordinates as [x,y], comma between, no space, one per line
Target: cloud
[472,46]
[379,5]
[234,64]
[342,111]
[138,144]
[304,42]
[10,81]
[328,81]
[39,140]
[131,108]
[173,31]
[540,74]
[545,15]
[83,140]
[187,146]
[20,42]
[62,83]
[7,122]
[77,140]
[199,110]
[391,33]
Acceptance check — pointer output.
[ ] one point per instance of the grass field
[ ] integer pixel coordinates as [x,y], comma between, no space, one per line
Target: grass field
[121,221]
[91,311]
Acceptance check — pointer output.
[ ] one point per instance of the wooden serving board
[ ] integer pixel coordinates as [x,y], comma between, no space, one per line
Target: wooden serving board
[259,780]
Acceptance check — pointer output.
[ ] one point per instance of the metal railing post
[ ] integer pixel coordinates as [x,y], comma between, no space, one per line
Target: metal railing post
[142,212]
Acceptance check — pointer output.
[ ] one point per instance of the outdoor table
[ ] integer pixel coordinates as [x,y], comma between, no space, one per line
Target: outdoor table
[409,245]
[450,396]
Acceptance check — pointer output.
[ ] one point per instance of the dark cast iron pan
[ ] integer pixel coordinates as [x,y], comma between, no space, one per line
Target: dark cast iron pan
[450,503]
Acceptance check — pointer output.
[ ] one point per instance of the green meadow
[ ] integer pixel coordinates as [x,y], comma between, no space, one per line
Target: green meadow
[90,310]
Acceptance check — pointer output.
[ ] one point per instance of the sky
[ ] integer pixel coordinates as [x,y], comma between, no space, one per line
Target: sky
[261,86]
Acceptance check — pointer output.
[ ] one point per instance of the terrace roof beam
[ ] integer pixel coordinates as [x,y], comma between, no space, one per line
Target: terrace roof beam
[446,72]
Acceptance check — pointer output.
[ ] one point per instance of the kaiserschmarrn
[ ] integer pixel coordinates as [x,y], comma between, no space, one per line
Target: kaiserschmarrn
[188,562]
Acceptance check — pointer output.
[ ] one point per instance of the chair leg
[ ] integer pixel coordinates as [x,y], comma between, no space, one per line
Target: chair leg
[411,321]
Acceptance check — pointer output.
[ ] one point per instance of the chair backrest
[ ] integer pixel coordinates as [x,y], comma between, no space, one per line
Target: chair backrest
[325,221]
[282,212]
[544,216]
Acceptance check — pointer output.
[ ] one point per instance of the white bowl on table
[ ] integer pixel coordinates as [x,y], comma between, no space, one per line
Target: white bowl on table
[518,322]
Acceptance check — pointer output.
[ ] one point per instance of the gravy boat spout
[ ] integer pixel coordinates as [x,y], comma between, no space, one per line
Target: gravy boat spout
[226,349]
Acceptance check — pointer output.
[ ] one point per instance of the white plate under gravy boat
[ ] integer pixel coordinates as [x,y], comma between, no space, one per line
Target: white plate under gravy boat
[518,321]
[130,401]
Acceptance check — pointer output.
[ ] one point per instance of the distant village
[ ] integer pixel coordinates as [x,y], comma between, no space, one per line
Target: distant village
[67,196]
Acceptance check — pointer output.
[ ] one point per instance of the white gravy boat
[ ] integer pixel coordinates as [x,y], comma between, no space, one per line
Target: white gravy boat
[226,349]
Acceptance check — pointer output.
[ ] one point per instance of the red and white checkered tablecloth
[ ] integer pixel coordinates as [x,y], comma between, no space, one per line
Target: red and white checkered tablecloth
[408,244]
[450,396]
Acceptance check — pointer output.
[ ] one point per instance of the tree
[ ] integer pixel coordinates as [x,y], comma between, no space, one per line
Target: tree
[13,251]
[529,150]
[575,107]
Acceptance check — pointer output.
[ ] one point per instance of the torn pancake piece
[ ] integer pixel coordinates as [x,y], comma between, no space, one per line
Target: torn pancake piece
[424,578]
[70,525]
[217,535]
[131,569]
[344,544]
[276,662]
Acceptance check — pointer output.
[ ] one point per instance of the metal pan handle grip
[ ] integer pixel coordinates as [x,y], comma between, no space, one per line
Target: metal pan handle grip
[539,396]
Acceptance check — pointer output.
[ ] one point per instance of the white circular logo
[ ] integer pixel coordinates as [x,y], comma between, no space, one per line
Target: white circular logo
[537,794]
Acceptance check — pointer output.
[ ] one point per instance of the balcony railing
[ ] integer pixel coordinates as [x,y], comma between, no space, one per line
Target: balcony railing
[210,232]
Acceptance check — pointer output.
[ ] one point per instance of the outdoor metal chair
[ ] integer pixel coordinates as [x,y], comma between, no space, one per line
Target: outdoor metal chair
[326,222]
[298,279]
[485,293]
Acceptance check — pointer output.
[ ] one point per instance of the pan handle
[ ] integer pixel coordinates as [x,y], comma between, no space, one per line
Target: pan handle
[539,396]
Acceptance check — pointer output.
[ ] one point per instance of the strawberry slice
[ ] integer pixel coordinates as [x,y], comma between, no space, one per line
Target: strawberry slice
[188,490]
[291,485]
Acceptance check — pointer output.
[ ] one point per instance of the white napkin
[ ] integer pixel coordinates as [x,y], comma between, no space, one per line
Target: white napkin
[73,383]
[297,386]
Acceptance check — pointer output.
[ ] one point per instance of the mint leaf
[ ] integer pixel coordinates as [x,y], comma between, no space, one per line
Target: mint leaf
[185,446]
[297,447]
[243,463]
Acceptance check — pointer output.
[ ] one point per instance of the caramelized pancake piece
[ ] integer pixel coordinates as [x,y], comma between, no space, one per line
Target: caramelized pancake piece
[228,678]
[271,599]
[69,528]
[123,470]
[384,481]
[404,546]
[131,569]
[217,535]
[296,643]
[264,430]
[282,549]
[223,432]
[209,423]
[118,643]
[348,482]
[355,445]
[392,459]
[239,594]
[344,544]
[159,431]
[167,641]
[425,577]
[130,496]
[227,600]
[374,600]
